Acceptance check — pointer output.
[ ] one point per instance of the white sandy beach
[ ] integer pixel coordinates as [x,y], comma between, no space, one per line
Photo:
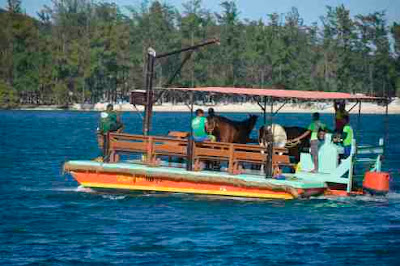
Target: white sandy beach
[366,108]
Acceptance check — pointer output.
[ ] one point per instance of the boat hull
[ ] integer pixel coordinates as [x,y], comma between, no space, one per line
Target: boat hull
[136,177]
[121,182]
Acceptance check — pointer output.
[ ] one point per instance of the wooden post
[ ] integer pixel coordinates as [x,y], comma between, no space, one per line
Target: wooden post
[190,147]
[231,166]
[106,147]
[149,151]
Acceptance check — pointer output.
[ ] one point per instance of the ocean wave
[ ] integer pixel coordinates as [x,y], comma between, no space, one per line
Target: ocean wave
[61,189]
[393,196]
[114,197]
[84,189]
[354,199]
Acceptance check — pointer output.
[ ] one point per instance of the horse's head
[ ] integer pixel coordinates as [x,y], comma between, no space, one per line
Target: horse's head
[212,124]
[227,130]
[252,121]
[265,135]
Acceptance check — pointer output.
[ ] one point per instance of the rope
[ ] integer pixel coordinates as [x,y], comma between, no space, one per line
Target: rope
[291,143]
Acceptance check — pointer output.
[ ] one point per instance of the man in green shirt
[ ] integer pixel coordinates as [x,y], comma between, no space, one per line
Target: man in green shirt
[314,128]
[109,121]
[199,126]
[347,136]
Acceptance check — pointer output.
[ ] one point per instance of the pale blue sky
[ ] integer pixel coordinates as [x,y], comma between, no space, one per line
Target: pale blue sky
[310,10]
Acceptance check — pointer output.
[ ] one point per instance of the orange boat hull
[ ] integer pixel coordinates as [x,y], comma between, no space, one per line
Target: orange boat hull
[140,183]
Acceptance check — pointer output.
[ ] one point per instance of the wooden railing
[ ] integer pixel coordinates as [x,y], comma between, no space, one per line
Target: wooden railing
[154,146]
[150,146]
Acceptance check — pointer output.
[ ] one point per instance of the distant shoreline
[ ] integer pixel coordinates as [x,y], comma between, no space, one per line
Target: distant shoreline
[366,108]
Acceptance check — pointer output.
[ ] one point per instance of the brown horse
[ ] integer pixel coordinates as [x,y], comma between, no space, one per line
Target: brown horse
[226,130]
[265,135]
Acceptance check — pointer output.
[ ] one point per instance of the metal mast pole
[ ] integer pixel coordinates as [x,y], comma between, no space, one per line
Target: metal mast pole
[151,59]
[148,108]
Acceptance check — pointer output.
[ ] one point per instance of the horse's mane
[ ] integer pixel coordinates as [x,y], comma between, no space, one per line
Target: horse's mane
[237,124]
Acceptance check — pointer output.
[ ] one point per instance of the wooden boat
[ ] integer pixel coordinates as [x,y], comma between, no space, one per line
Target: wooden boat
[176,163]
[152,174]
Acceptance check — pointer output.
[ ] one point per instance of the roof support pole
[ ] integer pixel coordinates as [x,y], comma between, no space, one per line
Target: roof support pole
[264,109]
[270,143]
[353,106]
[280,107]
[263,105]
[189,160]
[358,121]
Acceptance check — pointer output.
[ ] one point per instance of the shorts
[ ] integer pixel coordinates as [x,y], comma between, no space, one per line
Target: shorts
[205,138]
[314,145]
[347,151]
[116,127]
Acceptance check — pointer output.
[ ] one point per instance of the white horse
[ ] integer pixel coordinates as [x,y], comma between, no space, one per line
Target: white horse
[278,134]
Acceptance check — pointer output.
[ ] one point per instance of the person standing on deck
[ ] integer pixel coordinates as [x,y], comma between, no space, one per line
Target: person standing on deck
[199,126]
[347,136]
[314,128]
[340,113]
[109,122]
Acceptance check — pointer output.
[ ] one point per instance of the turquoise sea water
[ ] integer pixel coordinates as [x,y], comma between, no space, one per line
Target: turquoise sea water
[46,219]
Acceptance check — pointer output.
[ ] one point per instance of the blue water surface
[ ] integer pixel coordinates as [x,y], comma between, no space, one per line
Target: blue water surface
[47,219]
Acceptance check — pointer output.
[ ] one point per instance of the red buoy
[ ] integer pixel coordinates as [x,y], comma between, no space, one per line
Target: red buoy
[376,183]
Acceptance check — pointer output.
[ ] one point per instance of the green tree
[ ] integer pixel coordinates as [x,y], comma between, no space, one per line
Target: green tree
[8,97]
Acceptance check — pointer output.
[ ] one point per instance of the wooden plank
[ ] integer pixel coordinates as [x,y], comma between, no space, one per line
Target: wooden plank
[249,156]
[215,145]
[281,159]
[170,149]
[231,163]
[120,136]
[128,146]
[151,145]
[211,152]
[178,134]
[177,143]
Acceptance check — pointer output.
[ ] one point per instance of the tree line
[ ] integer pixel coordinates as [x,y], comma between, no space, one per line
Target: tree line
[88,51]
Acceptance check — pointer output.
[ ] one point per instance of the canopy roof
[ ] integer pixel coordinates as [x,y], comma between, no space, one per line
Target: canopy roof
[282,94]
